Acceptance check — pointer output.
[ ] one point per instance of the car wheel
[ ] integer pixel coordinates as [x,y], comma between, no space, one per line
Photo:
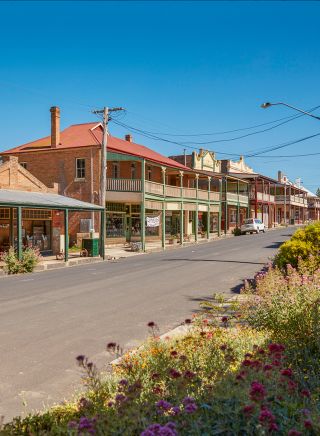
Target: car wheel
[251,233]
[257,231]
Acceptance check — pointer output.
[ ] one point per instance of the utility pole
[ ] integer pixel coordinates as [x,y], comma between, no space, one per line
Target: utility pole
[103,176]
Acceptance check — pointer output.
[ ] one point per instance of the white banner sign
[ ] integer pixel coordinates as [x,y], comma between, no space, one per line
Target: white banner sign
[153,221]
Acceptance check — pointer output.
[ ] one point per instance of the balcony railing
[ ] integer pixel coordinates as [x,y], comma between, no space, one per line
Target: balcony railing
[292,199]
[234,197]
[124,185]
[262,196]
[134,185]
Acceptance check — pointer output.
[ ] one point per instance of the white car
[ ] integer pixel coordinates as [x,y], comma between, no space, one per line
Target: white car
[252,225]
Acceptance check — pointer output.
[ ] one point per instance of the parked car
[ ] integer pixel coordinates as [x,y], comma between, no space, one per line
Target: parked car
[252,225]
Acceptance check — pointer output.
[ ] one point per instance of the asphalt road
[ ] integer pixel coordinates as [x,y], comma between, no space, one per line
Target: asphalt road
[47,319]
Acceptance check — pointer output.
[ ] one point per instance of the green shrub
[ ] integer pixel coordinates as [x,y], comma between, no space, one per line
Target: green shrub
[303,244]
[30,258]
[237,231]
[12,264]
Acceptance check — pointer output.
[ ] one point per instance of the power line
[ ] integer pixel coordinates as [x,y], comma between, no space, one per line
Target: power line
[289,118]
[265,150]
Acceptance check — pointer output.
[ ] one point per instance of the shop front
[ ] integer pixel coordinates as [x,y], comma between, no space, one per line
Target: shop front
[36,229]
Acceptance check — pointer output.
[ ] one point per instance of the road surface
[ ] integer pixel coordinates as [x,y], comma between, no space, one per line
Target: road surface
[48,318]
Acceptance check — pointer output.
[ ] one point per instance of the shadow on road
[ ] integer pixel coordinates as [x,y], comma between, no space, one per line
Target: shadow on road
[274,244]
[213,260]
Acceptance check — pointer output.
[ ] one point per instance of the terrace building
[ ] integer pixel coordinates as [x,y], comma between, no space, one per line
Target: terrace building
[261,190]
[234,190]
[291,201]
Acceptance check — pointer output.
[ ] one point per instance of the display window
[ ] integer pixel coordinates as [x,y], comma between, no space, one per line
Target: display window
[115,225]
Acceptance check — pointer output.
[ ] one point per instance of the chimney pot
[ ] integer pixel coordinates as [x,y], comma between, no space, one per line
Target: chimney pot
[129,138]
[55,126]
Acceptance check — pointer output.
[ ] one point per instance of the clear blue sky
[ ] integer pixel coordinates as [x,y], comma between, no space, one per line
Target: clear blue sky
[177,67]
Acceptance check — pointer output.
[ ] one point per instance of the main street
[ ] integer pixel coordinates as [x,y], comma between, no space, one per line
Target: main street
[47,319]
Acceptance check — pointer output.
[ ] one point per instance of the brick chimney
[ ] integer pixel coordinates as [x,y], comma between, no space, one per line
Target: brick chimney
[280,175]
[129,138]
[55,126]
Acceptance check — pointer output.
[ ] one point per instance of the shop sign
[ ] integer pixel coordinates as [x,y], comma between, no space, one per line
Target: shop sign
[153,221]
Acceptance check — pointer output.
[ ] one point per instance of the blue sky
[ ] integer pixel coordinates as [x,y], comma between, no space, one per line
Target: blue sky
[177,67]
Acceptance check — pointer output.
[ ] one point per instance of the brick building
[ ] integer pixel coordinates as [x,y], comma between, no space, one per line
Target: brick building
[149,196]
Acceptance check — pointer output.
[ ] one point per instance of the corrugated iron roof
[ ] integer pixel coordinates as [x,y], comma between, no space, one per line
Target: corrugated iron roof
[43,199]
[90,134]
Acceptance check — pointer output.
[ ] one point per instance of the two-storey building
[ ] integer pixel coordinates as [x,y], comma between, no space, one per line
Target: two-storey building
[234,190]
[149,196]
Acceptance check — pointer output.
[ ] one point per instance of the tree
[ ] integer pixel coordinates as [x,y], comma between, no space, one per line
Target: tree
[318,192]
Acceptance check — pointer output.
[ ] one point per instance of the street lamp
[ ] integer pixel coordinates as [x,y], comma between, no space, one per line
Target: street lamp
[268,104]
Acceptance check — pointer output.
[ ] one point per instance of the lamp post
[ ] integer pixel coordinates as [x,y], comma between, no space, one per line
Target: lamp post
[268,104]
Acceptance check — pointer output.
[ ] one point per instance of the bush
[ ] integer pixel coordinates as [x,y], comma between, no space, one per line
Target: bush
[12,264]
[30,258]
[237,231]
[303,244]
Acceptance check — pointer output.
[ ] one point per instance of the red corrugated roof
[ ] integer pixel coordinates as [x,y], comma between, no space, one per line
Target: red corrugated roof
[88,134]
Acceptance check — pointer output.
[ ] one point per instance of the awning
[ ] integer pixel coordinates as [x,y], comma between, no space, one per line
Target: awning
[43,200]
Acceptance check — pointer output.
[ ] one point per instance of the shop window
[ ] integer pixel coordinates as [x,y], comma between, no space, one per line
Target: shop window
[233,216]
[135,226]
[40,214]
[115,170]
[115,227]
[4,214]
[80,168]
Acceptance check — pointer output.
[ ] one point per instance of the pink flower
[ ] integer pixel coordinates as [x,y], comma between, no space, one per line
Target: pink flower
[273,427]
[294,432]
[257,391]
[266,416]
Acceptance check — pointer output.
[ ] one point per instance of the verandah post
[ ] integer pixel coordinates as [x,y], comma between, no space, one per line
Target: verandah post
[197,209]
[102,234]
[19,232]
[66,235]
[220,208]
[143,210]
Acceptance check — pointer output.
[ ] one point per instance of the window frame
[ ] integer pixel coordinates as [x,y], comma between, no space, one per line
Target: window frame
[80,169]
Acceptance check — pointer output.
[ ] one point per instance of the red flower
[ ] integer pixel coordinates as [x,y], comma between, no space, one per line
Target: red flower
[174,353]
[174,373]
[308,423]
[223,347]
[287,372]
[187,321]
[189,374]
[267,367]
[224,319]
[248,409]
[246,362]
[305,393]
[257,391]
[276,348]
